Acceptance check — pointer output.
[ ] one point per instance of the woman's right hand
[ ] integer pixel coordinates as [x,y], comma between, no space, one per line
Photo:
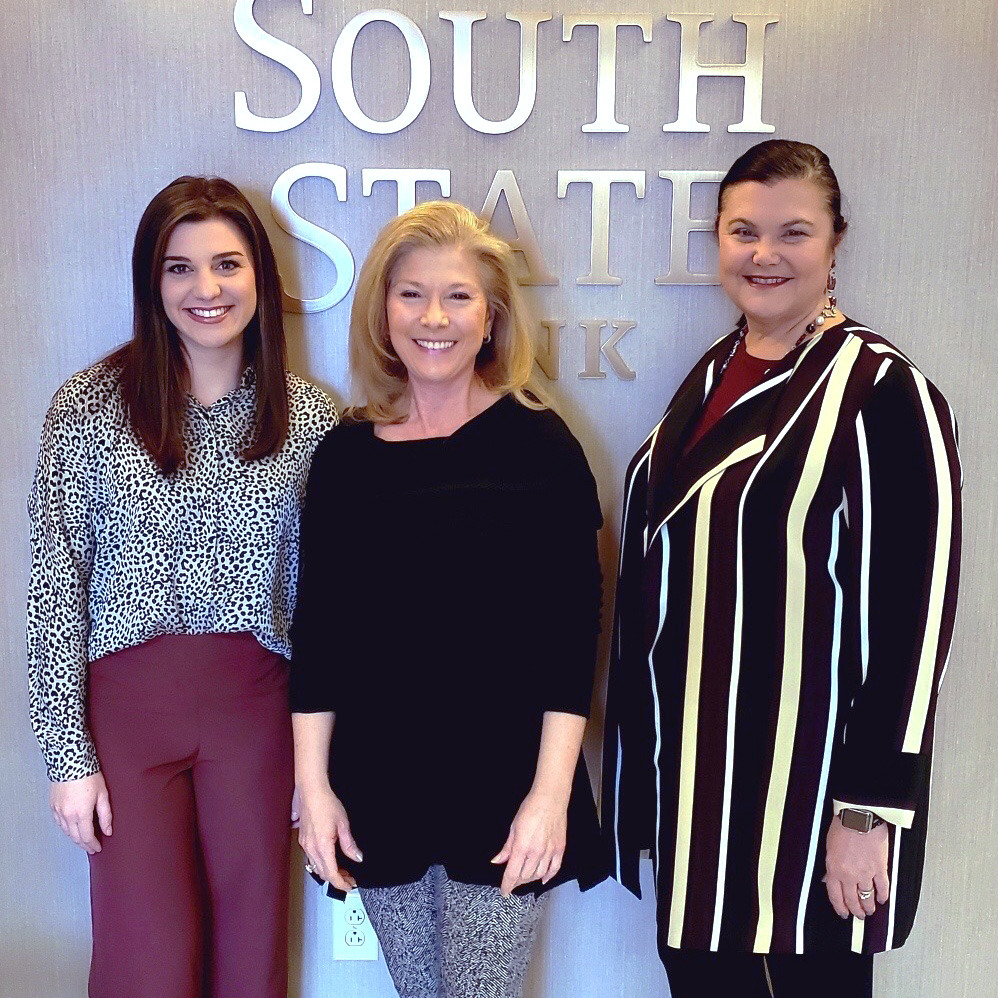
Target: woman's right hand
[323,822]
[73,804]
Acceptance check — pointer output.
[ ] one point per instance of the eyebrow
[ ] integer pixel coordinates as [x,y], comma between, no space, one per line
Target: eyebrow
[419,284]
[217,256]
[793,221]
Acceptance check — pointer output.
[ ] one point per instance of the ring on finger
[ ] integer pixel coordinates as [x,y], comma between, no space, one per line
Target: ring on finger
[865,895]
[309,866]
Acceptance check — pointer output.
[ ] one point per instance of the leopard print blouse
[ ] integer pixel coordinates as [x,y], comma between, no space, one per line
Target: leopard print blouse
[120,553]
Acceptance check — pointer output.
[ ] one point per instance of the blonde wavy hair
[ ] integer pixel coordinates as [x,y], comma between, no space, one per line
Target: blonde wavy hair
[503,365]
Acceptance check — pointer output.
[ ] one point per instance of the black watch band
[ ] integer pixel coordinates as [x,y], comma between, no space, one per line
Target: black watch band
[858,819]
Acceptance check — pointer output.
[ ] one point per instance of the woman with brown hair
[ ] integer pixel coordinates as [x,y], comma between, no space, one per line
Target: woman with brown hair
[456,655]
[787,591]
[164,530]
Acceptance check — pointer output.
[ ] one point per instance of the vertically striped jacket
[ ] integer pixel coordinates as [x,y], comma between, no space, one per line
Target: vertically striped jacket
[784,613]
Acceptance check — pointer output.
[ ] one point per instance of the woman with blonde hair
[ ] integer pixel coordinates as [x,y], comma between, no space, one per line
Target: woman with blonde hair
[456,659]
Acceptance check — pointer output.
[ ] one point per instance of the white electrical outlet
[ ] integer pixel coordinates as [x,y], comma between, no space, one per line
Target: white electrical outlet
[353,934]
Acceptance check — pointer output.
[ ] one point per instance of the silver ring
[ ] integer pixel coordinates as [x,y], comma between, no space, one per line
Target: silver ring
[863,895]
[309,867]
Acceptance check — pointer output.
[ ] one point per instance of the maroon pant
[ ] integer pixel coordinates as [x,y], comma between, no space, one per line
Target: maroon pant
[189,895]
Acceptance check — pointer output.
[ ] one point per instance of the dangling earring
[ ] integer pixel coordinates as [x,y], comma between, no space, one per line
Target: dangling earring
[826,313]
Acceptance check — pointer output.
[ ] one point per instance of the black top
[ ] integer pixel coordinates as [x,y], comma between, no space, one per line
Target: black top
[467,605]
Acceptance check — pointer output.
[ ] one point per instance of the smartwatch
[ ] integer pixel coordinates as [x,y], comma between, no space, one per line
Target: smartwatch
[859,820]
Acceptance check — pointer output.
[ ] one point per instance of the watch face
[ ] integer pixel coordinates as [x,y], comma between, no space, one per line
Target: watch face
[858,821]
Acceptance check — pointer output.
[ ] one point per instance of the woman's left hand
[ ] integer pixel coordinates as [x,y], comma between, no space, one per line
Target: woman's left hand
[854,862]
[535,845]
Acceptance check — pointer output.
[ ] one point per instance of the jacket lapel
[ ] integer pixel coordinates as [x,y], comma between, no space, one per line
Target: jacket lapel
[672,433]
[810,367]
[753,424]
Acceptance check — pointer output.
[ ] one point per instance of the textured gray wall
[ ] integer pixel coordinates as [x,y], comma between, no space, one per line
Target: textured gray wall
[105,102]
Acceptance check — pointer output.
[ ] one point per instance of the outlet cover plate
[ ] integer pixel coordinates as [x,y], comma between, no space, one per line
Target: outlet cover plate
[353,935]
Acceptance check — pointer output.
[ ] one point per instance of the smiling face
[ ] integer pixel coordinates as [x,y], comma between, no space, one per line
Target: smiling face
[776,247]
[208,285]
[438,315]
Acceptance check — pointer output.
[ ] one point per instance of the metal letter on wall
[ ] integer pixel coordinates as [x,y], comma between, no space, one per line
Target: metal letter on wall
[504,184]
[289,57]
[547,347]
[682,225]
[601,181]
[463,99]
[419,71]
[595,350]
[691,69]
[405,181]
[606,61]
[308,232]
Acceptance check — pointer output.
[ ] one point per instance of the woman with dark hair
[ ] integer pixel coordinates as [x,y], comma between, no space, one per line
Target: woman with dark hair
[437,739]
[788,581]
[164,532]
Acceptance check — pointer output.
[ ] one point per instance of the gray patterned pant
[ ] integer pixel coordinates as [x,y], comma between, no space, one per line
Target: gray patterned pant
[445,939]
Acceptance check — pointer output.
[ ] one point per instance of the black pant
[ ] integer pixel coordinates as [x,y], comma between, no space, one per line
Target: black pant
[748,975]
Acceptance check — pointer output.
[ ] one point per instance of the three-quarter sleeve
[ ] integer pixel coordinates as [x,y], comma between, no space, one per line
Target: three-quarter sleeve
[573,583]
[58,622]
[313,641]
[904,507]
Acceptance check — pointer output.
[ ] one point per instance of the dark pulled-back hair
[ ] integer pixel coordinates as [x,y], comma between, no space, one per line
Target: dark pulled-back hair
[784,159]
[153,365]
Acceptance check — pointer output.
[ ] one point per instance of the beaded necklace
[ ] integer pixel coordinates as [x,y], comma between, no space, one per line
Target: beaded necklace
[814,326]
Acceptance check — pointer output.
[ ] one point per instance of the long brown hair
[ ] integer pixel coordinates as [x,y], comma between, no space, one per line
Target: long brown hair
[154,374]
